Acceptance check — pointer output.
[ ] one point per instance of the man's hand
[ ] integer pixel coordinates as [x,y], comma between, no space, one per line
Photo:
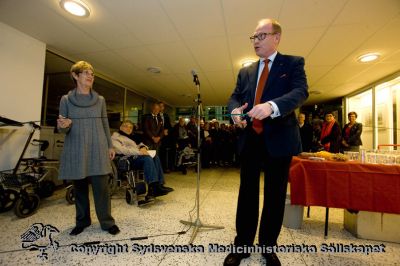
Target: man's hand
[236,116]
[111,153]
[261,111]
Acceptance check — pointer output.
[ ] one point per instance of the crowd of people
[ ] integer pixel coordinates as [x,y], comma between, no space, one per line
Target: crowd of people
[328,135]
[217,141]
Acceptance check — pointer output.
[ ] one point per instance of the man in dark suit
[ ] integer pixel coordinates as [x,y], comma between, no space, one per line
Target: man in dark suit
[306,132]
[267,93]
[167,153]
[153,128]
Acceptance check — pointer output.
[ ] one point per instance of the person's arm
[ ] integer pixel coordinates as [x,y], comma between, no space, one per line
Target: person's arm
[106,127]
[118,143]
[147,130]
[298,90]
[236,104]
[104,121]
[64,124]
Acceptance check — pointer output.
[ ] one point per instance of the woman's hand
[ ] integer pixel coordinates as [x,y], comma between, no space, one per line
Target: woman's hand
[63,122]
[111,153]
[143,151]
[344,143]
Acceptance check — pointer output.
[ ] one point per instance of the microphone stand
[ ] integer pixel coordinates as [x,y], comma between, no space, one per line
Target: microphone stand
[197,224]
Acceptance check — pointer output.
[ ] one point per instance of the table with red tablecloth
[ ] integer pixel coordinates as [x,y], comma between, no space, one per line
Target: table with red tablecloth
[347,185]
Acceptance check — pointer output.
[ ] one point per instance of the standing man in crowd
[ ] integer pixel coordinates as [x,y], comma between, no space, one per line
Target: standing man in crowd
[153,128]
[167,144]
[267,93]
[306,132]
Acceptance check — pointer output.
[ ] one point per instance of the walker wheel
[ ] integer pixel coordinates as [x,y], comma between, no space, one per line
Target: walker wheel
[46,188]
[70,195]
[8,197]
[26,205]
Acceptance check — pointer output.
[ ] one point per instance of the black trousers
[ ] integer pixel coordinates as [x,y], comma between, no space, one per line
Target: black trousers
[276,171]
[102,201]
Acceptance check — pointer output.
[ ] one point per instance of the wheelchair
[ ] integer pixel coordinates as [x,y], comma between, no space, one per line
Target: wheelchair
[136,189]
[112,183]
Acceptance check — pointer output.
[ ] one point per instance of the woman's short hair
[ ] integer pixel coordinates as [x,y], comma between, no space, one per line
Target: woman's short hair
[352,113]
[79,67]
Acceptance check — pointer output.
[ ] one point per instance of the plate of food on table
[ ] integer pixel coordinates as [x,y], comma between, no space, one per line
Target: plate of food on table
[324,155]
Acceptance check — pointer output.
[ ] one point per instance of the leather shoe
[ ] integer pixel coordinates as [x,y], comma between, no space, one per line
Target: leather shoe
[156,191]
[77,230]
[113,230]
[169,189]
[233,259]
[272,259]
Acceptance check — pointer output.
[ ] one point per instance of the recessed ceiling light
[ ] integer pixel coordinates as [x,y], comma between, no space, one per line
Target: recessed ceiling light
[75,7]
[368,57]
[248,62]
[155,70]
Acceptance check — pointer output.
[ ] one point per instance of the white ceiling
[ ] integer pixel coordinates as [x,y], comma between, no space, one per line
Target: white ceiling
[122,38]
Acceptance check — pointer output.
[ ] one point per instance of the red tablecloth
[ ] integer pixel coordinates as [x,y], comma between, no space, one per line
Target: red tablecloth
[347,185]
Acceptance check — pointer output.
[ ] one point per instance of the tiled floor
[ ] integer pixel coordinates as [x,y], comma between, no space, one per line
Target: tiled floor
[218,198]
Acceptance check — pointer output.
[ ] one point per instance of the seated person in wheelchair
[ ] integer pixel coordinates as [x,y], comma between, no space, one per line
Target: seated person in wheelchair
[140,159]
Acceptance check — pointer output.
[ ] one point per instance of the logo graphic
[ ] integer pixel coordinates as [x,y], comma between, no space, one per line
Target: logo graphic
[40,237]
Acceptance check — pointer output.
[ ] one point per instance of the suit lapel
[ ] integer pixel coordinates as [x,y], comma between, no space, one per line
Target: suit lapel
[253,75]
[273,74]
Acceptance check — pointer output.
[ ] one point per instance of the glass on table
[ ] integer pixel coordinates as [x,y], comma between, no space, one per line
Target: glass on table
[371,157]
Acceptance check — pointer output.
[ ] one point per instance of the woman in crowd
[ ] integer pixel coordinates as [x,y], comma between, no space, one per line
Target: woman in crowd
[351,134]
[330,134]
[87,148]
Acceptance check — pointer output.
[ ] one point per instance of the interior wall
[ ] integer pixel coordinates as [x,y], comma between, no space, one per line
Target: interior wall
[21,73]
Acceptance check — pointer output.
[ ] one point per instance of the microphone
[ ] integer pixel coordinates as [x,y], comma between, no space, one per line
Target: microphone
[195,77]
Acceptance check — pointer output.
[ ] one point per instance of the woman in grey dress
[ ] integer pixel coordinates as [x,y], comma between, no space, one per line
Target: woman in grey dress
[87,148]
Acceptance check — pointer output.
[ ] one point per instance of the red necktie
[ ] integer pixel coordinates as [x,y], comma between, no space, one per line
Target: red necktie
[258,124]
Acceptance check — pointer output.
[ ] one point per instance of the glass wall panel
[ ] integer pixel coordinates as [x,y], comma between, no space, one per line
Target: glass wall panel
[134,106]
[362,105]
[384,114]
[387,109]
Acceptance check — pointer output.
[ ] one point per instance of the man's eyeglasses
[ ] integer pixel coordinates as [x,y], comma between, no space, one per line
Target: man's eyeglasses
[261,36]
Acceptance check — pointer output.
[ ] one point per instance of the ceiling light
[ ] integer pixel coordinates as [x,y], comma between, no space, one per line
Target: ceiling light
[368,57]
[155,70]
[248,62]
[75,7]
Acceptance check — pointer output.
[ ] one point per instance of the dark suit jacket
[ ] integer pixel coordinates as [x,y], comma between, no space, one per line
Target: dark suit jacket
[167,121]
[287,87]
[355,134]
[152,129]
[306,134]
